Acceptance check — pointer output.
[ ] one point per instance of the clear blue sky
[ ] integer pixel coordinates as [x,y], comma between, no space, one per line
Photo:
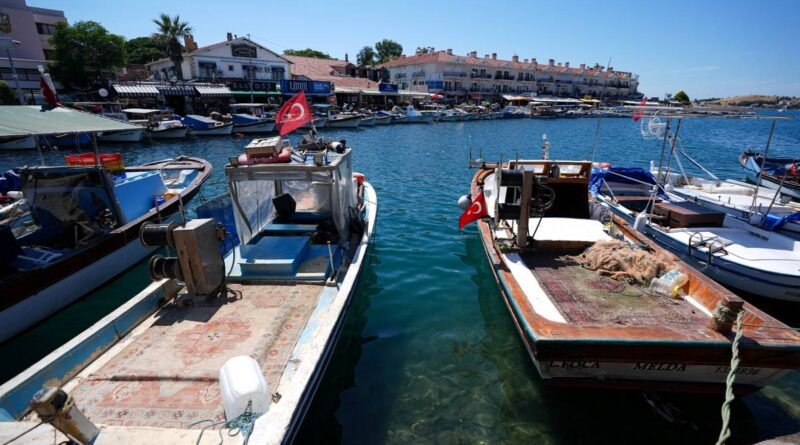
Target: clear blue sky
[706,47]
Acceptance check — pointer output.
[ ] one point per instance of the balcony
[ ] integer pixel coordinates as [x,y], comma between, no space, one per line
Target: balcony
[454,74]
[480,76]
[418,74]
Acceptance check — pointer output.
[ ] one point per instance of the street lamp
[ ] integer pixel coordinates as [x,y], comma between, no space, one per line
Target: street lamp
[8,43]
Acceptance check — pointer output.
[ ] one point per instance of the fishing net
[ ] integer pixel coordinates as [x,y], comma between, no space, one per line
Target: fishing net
[618,260]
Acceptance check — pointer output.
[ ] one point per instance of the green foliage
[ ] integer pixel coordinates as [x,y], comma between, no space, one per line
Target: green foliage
[366,56]
[142,50]
[424,49]
[171,30]
[681,97]
[84,45]
[308,52]
[7,96]
[388,50]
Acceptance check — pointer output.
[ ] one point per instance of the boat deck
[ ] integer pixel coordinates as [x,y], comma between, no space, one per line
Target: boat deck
[165,373]
[737,198]
[584,297]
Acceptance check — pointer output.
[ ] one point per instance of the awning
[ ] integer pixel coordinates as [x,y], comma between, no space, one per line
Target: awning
[24,120]
[343,90]
[136,90]
[374,93]
[213,91]
[513,98]
[254,93]
[180,90]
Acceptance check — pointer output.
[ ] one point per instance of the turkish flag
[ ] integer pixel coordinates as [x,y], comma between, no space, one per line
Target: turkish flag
[48,93]
[293,114]
[475,211]
[640,111]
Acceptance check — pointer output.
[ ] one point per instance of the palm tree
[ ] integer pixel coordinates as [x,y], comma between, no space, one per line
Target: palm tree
[171,30]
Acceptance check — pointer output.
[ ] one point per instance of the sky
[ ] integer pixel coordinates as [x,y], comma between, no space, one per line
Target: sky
[708,48]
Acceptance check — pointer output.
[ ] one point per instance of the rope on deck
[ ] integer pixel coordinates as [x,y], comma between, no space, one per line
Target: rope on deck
[725,433]
[242,424]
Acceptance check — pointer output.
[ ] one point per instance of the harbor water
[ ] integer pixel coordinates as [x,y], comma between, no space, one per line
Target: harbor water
[429,353]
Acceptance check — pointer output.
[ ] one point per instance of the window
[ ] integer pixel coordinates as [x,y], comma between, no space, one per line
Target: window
[230,67]
[45,28]
[277,73]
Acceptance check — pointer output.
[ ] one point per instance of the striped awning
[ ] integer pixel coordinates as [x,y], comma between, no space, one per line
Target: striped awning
[178,90]
[213,91]
[136,90]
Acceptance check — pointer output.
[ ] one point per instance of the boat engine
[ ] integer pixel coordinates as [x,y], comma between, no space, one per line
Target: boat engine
[199,263]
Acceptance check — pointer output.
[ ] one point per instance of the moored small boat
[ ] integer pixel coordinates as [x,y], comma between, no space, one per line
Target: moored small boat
[343,121]
[367,121]
[81,229]
[773,173]
[244,123]
[205,126]
[586,326]
[135,135]
[159,124]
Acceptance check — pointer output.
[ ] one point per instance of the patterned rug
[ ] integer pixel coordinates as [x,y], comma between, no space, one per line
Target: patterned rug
[585,297]
[168,377]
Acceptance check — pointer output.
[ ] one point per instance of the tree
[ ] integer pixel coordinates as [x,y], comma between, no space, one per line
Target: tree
[85,45]
[172,30]
[424,49]
[366,56]
[681,97]
[7,96]
[142,50]
[388,50]
[308,52]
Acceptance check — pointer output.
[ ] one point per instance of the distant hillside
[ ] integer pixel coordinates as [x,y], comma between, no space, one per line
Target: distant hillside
[749,100]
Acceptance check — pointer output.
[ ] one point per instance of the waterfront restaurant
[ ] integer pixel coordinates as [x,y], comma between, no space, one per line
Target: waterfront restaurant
[249,70]
[465,78]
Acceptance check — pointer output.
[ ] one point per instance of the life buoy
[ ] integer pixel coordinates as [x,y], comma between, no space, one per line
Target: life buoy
[283,157]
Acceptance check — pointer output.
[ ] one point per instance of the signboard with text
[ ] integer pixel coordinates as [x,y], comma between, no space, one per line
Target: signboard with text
[244,85]
[310,87]
[387,88]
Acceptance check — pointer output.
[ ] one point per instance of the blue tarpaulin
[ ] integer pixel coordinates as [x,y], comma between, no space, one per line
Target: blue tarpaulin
[775,222]
[621,175]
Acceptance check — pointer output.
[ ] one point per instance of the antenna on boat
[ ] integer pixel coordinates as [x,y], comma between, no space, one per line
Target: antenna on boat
[761,170]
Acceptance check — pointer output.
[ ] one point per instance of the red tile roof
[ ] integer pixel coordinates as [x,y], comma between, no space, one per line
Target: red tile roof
[331,70]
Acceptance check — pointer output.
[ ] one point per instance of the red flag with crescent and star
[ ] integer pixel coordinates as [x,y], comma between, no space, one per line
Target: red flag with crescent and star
[293,114]
[475,211]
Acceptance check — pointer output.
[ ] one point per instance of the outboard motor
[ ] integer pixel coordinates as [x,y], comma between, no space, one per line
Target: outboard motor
[199,263]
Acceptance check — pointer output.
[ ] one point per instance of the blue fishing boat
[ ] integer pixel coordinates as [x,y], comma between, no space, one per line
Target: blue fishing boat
[205,126]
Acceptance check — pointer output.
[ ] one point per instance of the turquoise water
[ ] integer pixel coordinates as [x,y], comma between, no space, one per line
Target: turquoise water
[429,353]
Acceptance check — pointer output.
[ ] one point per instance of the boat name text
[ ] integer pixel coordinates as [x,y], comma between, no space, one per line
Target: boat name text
[574,364]
[646,366]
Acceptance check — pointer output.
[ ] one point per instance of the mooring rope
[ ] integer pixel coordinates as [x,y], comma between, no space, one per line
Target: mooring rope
[241,424]
[725,432]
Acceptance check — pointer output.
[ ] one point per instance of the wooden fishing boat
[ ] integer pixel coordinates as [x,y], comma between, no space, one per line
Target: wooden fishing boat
[582,328]
[81,231]
[154,371]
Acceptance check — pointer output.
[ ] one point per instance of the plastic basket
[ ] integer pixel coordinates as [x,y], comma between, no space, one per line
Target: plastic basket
[111,161]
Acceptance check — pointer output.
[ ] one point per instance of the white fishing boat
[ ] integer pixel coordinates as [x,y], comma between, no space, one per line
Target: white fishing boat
[18,143]
[382,119]
[368,121]
[136,135]
[758,206]
[244,343]
[729,250]
[453,115]
[111,110]
[773,173]
[160,124]
[252,118]
[412,116]
[341,120]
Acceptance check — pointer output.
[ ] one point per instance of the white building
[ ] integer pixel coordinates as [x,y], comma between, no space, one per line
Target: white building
[236,62]
[32,28]
[472,77]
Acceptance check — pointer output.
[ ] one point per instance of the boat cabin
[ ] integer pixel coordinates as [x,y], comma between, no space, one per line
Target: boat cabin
[293,220]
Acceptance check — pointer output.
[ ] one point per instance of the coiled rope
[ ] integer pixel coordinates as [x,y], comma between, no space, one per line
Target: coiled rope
[725,433]
[243,424]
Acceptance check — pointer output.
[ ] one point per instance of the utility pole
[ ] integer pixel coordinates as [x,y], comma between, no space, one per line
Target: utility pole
[8,43]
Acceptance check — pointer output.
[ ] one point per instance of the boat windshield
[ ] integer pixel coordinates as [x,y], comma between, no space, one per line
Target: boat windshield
[319,193]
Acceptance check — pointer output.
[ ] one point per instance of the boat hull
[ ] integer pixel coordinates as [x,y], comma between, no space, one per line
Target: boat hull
[256,127]
[219,130]
[122,136]
[349,122]
[383,120]
[368,121]
[169,133]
